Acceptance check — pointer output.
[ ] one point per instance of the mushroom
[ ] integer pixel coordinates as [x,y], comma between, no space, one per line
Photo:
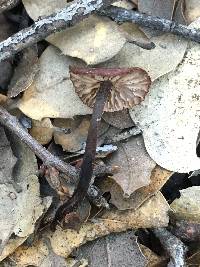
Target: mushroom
[128,86]
[103,90]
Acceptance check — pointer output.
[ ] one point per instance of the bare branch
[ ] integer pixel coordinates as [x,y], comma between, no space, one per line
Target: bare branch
[164,25]
[7,4]
[66,17]
[48,159]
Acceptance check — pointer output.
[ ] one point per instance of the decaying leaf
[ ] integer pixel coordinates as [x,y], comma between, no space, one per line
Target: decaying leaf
[113,250]
[119,119]
[42,130]
[135,165]
[187,206]
[52,94]
[159,176]
[24,72]
[153,61]
[192,10]
[171,137]
[153,213]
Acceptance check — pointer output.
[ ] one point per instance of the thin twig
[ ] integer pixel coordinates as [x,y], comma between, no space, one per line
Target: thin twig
[174,246]
[66,17]
[155,23]
[48,159]
[8,4]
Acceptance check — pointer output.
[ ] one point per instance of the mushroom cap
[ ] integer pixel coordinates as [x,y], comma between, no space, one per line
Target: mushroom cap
[129,86]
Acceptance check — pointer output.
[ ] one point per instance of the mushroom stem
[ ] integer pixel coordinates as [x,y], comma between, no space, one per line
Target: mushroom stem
[86,171]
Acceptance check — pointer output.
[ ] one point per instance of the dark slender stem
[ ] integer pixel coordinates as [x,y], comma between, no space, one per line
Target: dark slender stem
[48,159]
[164,25]
[90,152]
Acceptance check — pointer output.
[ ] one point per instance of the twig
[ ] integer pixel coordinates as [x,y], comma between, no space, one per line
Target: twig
[155,23]
[174,246]
[123,135]
[48,159]
[7,4]
[66,17]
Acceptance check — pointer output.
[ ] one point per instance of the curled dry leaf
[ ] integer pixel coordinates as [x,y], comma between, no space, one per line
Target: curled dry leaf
[153,213]
[129,86]
[159,176]
[187,206]
[24,73]
[52,94]
[171,137]
[42,130]
[135,165]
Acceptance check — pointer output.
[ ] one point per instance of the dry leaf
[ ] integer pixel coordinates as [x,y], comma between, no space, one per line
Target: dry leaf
[135,165]
[113,250]
[153,61]
[158,8]
[24,72]
[192,10]
[42,130]
[119,119]
[158,178]
[94,40]
[187,207]
[19,196]
[153,213]
[175,131]
[52,94]
[87,39]
[7,159]
[76,138]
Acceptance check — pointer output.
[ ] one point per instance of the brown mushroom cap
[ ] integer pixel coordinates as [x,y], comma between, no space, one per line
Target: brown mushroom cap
[129,86]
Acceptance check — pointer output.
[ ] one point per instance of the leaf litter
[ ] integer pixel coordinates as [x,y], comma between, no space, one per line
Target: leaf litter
[143,161]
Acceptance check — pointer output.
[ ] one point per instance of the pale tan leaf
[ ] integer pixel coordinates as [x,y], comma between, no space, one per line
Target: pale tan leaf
[153,61]
[52,93]
[175,131]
